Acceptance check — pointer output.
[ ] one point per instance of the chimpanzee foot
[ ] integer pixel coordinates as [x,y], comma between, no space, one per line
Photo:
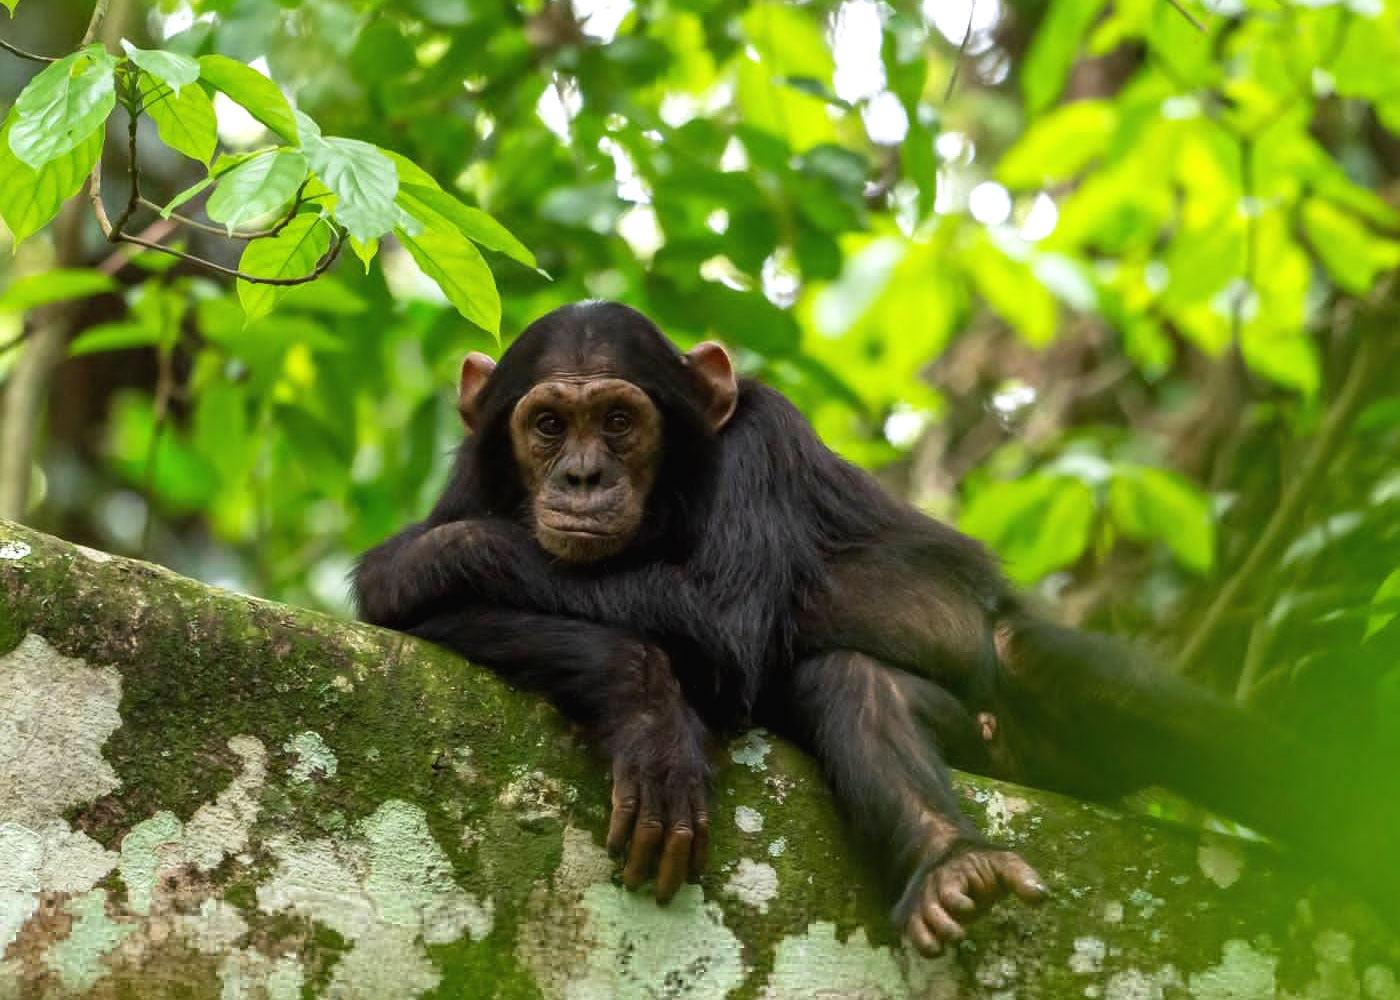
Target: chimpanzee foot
[961,887]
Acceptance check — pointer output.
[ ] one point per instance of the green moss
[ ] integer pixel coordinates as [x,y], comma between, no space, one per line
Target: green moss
[483,970]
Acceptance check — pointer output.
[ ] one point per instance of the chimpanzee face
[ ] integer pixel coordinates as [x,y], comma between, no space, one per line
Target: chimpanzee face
[589,444]
[588,448]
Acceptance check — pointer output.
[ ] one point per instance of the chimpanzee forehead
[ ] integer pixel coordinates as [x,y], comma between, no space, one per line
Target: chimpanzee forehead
[594,339]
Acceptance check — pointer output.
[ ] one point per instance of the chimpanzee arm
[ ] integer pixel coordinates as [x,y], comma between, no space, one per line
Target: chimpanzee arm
[624,692]
[401,580]
[868,725]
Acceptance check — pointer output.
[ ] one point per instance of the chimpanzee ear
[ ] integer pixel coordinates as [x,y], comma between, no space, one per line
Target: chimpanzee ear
[475,370]
[711,364]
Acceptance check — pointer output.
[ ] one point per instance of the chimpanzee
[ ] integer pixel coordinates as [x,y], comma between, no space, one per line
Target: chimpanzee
[668,551]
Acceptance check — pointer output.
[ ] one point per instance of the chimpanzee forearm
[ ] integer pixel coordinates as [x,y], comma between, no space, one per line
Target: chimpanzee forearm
[405,579]
[623,691]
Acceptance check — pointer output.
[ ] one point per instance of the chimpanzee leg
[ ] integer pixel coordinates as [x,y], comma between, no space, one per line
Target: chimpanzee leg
[623,690]
[1084,715]
[868,724]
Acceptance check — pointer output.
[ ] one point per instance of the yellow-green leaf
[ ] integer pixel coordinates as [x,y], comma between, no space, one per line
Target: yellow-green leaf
[292,253]
[29,198]
[258,95]
[185,121]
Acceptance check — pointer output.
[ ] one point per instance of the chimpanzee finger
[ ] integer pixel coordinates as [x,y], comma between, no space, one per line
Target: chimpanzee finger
[943,926]
[700,846]
[675,856]
[955,899]
[1022,879]
[646,838]
[625,801]
[922,938]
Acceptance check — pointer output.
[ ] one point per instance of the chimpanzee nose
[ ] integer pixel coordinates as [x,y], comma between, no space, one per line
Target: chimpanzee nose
[584,480]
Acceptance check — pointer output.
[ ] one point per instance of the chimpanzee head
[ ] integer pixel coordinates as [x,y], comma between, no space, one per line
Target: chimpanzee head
[596,429]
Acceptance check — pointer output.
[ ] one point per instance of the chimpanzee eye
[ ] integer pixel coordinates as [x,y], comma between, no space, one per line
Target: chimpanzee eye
[617,422]
[549,424]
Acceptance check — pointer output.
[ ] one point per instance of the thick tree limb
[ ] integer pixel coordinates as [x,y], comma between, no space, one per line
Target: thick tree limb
[203,794]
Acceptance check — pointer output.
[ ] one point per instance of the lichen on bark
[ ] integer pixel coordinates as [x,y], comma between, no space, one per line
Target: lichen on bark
[205,794]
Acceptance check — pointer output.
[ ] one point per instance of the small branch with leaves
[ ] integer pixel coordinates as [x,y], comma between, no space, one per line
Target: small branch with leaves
[322,191]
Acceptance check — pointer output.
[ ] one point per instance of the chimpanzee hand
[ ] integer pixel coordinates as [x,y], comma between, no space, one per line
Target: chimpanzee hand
[959,886]
[665,813]
[660,796]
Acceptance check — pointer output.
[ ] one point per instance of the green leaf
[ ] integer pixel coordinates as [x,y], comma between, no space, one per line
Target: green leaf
[473,223]
[255,188]
[1288,356]
[63,106]
[1352,255]
[454,262]
[1158,506]
[1054,50]
[36,290]
[364,252]
[171,68]
[186,195]
[1037,524]
[185,121]
[1059,145]
[10,5]
[29,198]
[258,95]
[113,337]
[1011,288]
[363,180]
[1383,602]
[292,253]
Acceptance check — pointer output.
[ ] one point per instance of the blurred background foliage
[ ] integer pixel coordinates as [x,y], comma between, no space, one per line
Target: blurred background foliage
[1106,288]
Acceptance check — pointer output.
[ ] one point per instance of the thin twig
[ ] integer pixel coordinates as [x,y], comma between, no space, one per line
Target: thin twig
[962,51]
[322,266]
[1190,18]
[32,56]
[1292,501]
[259,234]
[99,14]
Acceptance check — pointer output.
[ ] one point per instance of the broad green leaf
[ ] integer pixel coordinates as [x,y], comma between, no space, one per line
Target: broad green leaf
[36,290]
[1383,602]
[29,198]
[63,106]
[113,337]
[1289,357]
[1057,146]
[255,188]
[1352,255]
[171,68]
[1038,524]
[410,172]
[1054,49]
[10,5]
[292,253]
[363,180]
[1010,287]
[1154,505]
[475,224]
[186,121]
[454,262]
[258,95]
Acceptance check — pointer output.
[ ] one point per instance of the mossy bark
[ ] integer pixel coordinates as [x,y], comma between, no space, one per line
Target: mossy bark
[204,794]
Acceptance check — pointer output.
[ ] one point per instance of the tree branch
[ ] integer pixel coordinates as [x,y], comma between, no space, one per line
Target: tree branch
[23,54]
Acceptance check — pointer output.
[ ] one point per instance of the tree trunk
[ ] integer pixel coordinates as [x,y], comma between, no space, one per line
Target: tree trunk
[207,795]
